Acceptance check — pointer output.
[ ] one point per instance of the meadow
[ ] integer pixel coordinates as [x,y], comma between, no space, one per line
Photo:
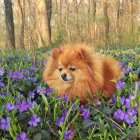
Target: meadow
[29,109]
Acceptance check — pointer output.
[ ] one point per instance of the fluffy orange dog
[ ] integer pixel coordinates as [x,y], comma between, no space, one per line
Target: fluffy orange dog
[75,71]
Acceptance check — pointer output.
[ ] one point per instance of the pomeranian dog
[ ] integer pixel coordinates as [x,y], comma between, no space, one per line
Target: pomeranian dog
[74,70]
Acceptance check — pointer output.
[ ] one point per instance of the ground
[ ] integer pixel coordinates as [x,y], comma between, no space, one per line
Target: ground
[29,109]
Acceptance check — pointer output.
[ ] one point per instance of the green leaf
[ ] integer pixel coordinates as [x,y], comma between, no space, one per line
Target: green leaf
[89,123]
[45,101]
[32,129]
[45,134]
[37,136]
[22,116]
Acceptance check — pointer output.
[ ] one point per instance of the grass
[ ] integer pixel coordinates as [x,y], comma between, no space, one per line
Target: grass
[57,116]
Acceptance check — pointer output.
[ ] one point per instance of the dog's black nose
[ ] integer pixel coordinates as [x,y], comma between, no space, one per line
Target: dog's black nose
[64,75]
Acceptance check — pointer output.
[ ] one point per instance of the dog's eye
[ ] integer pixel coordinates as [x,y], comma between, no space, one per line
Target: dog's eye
[72,69]
[60,69]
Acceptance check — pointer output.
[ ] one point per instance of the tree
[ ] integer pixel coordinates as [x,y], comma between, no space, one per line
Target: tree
[9,23]
[21,7]
[43,19]
[106,21]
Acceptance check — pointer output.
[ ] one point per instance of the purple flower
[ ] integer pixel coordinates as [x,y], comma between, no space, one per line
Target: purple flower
[43,62]
[1,72]
[132,112]
[128,118]
[5,123]
[22,106]
[11,58]
[37,64]
[26,71]
[32,95]
[32,68]
[15,75]
[2,85]
[10,106]
[49,91]
[85,113]
[68,135]
[19,75]
[126,102]
[121,85]
[66,98]
[4,94]
[127,70]
[61,120]
[41,89]
[22,136]
[28,59]
[122,64]
[119,114]
[34,120]
[114,100]
[31,105]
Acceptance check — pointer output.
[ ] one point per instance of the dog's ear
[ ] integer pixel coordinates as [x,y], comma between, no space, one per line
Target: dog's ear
[56,52]
[82,53]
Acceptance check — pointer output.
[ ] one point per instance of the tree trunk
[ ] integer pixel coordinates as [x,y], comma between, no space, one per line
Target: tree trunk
[21,7]
[60,12]
[106,21]
[43,18]
[49,15]
[9,23]
[118,17]
[94,16]
[131,16]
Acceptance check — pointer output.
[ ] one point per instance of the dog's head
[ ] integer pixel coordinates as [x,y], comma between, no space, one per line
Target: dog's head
[73,63]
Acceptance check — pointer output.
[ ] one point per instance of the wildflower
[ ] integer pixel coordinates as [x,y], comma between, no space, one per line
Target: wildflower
[66,98]
[37,64]
[31,104]
[128,118]
[19,75]
[26,71]
[1,72]
[43,62]
[28,59]
[119,114]
[114,100]
[10,106]
[4,94]
[127,70]
[11,58]
[61,120]
[15,75]
[41,89]
[22,106]
[126,102]
[132,112]
[122,64]
[49,91]
[121,85]
[5,123]
[85,113]
[34,120]
[32,95]
[68,134]
[22,136]
[32,68]
[2,85]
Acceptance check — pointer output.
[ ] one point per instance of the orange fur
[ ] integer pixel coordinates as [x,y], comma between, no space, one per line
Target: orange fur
[93,74]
